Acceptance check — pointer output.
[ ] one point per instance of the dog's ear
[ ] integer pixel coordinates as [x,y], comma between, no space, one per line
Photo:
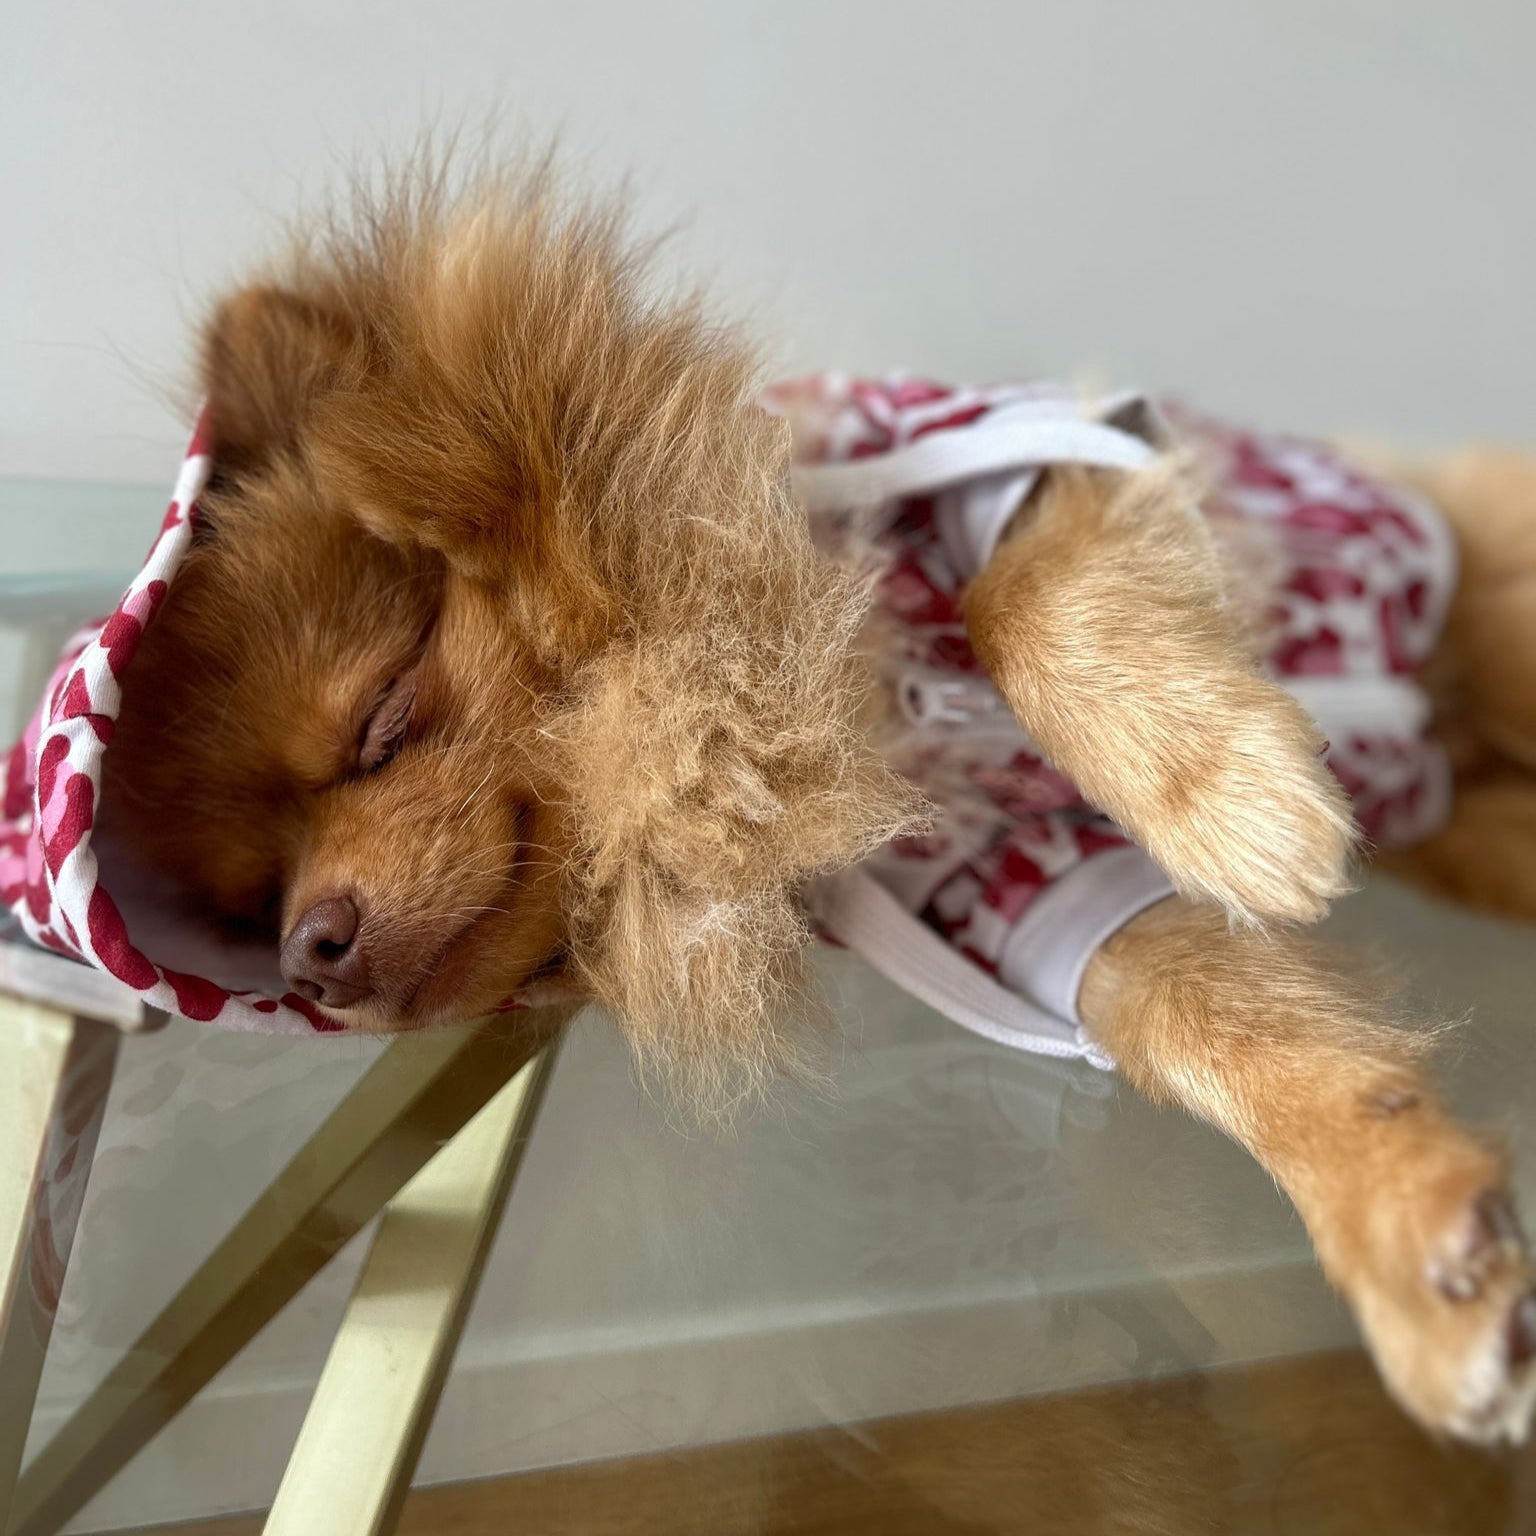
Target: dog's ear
[267,356]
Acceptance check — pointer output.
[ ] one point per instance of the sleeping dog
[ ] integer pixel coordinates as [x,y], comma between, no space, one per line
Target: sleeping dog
[503,660]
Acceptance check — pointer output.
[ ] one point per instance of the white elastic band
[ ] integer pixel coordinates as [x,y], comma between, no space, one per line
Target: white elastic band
[1359,706]
[973,517]
[857,910]
[1050,949]
[943,458]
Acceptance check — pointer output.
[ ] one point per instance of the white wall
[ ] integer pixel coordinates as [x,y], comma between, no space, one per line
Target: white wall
[1318,212]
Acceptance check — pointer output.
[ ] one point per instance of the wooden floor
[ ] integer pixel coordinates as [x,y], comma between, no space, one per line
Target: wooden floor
[1307,1446]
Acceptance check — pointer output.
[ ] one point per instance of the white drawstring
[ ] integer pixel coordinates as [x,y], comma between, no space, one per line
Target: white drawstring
[1012,440]
[858,911]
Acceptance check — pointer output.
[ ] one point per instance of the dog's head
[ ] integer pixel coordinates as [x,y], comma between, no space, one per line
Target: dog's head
[502,653]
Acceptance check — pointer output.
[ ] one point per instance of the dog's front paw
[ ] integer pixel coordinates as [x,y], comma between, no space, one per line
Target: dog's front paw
[1251,817]
[1446,1293]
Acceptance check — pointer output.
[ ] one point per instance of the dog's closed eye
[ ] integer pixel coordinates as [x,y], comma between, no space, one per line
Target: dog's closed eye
[384,734]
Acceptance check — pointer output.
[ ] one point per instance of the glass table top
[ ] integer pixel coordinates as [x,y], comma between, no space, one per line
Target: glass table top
[944,1227]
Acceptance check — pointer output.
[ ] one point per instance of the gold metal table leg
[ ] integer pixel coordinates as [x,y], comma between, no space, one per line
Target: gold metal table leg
[370,1414]
[55,1070]
[418,1095]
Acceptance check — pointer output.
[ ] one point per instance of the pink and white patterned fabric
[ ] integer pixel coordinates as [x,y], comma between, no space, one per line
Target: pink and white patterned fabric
[52,786]
[1359,576]
[1020,875]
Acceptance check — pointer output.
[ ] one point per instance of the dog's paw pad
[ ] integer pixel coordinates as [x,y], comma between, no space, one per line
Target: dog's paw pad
[1443,1283]
[1487,1240]
[1480,1340]
[1521,1335]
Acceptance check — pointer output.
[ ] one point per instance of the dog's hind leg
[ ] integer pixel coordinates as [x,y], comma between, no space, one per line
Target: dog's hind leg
[1102,620]
[1486,854]
[1485,671]
[1483,677]
[1408,1213]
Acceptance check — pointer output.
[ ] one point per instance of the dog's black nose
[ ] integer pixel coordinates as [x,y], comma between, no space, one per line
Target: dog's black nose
[322,958]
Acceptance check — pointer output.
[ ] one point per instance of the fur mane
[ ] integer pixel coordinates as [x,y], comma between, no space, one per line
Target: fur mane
[597,453]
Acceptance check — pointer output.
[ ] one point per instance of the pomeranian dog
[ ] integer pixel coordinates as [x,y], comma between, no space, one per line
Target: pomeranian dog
[505,659]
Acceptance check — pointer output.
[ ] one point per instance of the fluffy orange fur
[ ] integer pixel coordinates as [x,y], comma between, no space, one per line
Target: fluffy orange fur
[475,484]
[1106,620]
[459,414]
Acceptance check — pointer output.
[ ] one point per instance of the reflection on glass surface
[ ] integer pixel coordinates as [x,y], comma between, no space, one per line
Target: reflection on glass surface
[946,1227]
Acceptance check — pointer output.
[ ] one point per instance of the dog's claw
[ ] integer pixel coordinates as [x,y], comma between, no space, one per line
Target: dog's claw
[1522,1333]
[1491,1240]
